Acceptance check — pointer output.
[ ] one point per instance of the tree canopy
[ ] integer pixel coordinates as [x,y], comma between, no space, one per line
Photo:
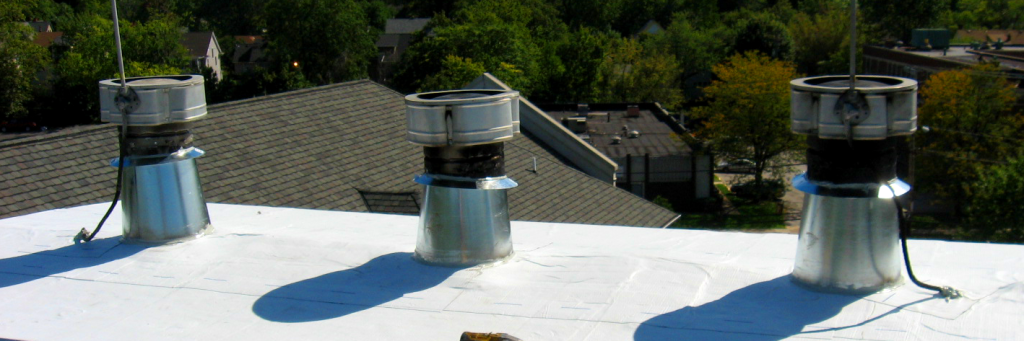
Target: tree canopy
[149,49]
[633,74]
[20,61]
[993,210]
[898,19]
[984,14]
[329,41]
[971,120]
[765,34]
[748,116]
[821,40]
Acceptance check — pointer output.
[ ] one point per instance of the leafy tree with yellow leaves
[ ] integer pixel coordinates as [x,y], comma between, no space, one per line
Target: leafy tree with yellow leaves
[971,125]
[748,114]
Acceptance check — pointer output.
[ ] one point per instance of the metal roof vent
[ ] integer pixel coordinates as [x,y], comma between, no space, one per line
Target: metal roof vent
[464,219]
[634,134]
[849,236]
[162,199]
[616,139]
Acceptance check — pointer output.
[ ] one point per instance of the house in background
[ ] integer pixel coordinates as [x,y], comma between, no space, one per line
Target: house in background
[652,27]
[398,34]
[39,25]
[205,52]
[249,54]
[643,139]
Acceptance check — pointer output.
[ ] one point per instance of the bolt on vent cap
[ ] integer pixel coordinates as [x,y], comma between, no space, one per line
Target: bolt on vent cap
[162,100]
[884,107]
[462,117]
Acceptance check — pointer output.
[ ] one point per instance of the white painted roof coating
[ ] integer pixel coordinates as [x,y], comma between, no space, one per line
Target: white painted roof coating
[290,274]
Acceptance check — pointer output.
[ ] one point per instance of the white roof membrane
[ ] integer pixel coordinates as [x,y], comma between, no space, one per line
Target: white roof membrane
[269,273]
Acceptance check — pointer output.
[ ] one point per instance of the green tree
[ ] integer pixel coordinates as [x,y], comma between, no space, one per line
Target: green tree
[748,114]
[544,30]
[821,41]
[582,56]
[970,116]
[426,8]
[597,14]
[898,19]
[226,17]
[631,74]
[993,211]
[635,13]
[330,41]
[455,73]
[259,82]
[495,46]
[696,47]
[20,62]
[149,49]
[767,35]
[377,13]
[984,14]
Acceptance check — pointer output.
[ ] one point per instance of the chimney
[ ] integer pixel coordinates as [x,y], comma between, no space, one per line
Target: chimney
[849,235]
[464,219]
[161,196]
[632,111]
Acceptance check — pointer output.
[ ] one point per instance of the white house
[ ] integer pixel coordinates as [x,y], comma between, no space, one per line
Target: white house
[204,50]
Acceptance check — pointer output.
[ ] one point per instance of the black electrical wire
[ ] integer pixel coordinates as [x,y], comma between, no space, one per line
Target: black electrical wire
[904,226]
[84,235]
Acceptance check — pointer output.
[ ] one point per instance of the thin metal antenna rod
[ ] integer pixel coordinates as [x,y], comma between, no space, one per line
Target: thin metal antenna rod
[124,100]
[853,45]
[117,42]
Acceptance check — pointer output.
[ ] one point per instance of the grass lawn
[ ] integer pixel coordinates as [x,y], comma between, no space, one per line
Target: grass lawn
[747,215]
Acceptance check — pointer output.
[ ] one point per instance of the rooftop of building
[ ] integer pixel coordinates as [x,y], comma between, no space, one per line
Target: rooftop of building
[270,273]
[405,25]
[198,43]
[337,147]
[1010,58]
[606,122]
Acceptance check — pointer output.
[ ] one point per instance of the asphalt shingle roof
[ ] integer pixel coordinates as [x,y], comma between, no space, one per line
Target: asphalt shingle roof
[313,148]
[405,26]
[197,43]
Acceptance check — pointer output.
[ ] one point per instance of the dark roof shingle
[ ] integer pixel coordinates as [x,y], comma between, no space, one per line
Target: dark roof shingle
[311,148]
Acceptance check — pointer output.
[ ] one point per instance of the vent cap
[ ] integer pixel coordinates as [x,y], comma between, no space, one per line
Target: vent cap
[162,100]
[887,106]
[462,117]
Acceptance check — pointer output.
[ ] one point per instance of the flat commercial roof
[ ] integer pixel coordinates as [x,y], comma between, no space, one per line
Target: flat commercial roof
[602,125]
[270,273]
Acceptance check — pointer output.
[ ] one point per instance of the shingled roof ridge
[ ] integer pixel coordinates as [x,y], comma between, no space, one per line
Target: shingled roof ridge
[588,179]
[293,93]
[94,128]
[55,135]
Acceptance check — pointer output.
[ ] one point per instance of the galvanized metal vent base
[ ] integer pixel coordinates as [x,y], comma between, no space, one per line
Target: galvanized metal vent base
[463,227]
[848,245]
[163,203]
